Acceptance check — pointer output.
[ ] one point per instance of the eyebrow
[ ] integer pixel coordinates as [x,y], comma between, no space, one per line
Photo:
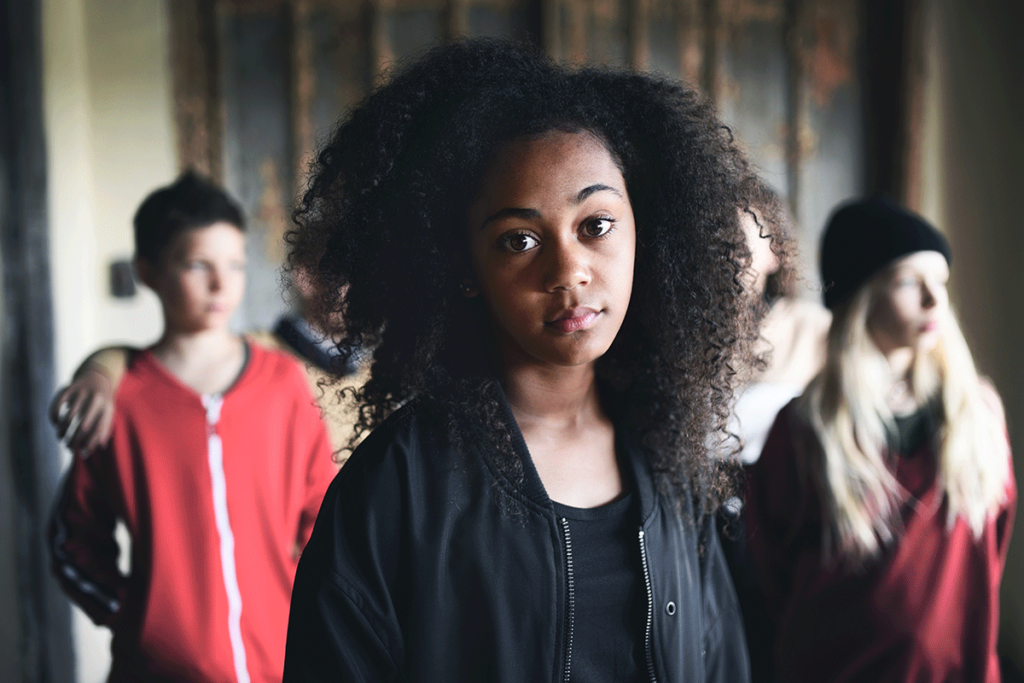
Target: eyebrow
[525,214]
[587,191]
[531,214]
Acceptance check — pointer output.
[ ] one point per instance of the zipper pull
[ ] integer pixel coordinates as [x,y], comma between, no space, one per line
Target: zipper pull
[212,404]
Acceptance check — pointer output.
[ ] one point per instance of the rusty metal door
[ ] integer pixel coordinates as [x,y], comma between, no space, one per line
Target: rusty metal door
[258,82]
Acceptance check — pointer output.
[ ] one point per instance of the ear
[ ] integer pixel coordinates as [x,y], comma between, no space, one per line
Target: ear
[146,271]
[468,288]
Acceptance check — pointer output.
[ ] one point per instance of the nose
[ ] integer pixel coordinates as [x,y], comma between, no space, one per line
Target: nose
[929,295]
[567,265]
[216,279]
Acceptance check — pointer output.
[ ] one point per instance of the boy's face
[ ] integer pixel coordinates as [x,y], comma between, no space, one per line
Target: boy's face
[552,243]
[201,278]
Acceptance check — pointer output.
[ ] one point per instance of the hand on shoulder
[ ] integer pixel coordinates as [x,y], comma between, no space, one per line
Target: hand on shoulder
[82,412]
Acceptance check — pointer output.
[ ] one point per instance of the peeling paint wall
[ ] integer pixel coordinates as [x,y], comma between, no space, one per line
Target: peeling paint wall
[783,73]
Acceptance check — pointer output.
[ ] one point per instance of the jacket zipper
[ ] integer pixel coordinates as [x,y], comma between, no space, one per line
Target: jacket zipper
[650,609]
[570,599]
[215,454]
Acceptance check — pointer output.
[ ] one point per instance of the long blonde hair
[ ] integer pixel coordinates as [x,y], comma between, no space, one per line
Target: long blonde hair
[846,406]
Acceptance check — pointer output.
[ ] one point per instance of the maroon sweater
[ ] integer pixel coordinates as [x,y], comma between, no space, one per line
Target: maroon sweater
[926,611]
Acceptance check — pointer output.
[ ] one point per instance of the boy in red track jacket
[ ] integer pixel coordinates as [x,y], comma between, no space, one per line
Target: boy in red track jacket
[217,466]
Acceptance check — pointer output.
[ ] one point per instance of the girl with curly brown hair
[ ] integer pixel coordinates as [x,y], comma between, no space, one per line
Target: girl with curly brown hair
[548,266]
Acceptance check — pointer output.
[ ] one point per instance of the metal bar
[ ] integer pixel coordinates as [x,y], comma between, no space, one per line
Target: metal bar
[796,110]
[578,15]
[551,27]
[456,19]
[912,122]
[690,38]
[381,53]
[303,91]
[195,71]
[711,68]
[638,33]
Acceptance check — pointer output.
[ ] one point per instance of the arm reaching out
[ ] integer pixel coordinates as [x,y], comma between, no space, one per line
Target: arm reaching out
[82,412]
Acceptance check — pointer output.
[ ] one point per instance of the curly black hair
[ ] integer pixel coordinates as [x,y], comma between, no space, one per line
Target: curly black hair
[380,235]
[776,224]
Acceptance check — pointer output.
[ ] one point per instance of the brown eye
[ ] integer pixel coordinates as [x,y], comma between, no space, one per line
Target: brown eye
[519,242]
[598,227]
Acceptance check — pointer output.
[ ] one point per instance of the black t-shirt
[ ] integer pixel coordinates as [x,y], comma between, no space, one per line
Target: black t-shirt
[915,429]
[610,598]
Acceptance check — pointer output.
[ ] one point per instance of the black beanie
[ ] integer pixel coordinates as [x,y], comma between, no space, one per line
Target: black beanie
[864,236]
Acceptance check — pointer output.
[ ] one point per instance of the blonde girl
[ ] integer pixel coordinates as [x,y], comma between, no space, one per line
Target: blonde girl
[880,510]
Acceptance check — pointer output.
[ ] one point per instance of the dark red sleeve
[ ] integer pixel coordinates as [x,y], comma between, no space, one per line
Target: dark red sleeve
[777,508]
[1004,522]
[82,543]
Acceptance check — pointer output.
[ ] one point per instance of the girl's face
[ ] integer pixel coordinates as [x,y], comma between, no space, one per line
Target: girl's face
[911,303]
[552,244]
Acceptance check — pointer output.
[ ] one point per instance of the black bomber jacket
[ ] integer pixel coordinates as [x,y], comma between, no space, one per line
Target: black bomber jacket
[429,565]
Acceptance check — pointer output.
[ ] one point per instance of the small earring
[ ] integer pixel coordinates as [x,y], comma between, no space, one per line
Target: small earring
[467,289]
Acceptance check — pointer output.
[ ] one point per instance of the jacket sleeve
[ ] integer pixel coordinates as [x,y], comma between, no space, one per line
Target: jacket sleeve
[776,503]
[343,625]
[1004,520]
[82,544]
[725,646]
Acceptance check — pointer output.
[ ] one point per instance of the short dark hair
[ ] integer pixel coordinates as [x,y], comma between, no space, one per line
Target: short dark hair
[189,202]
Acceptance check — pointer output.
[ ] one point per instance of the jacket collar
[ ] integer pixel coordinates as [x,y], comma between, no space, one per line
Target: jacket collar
[638,471]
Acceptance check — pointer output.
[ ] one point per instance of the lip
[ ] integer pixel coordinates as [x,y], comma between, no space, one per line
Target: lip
[930,326]
[574,319]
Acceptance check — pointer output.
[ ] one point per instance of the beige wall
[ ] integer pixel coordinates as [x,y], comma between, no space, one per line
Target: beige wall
[110,140]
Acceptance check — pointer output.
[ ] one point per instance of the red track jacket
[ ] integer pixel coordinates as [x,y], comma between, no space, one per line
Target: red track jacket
[218,493]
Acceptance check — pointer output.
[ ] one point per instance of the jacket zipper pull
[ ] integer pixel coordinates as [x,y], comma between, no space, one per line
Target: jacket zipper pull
[570,599]
[212,404]
[648,649]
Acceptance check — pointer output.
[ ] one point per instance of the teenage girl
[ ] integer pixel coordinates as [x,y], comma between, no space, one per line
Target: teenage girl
[880,510]
[547,265]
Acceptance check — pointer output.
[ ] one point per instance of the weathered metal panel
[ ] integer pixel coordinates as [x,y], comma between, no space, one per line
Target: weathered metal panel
[831,163]
[752,93]
[608,40]
[410,29]
[194,57]
[663,27]
[506,20]
[782,72]
[255,77]
[340,63]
